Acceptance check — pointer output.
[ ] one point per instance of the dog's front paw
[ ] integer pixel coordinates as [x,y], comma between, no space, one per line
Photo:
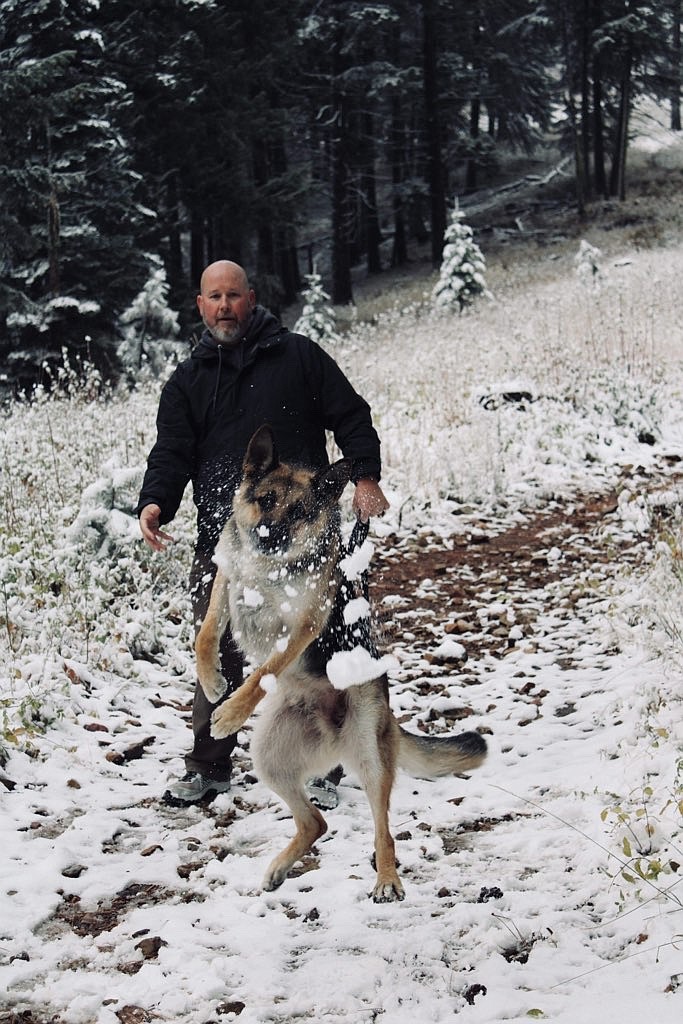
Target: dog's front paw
[213,684]
[227,719]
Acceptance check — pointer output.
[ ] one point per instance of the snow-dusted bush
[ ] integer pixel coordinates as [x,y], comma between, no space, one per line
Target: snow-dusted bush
[149,327]
[588,263]
[318,320]
[105,524]
[461,277]
[81,594]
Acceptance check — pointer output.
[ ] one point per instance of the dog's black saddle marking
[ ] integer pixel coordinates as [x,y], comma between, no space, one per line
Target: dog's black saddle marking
[339,635]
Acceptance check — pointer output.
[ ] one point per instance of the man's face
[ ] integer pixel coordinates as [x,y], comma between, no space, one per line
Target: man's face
[225,302]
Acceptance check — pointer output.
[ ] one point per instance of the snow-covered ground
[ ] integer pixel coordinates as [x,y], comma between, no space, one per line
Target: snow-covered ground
[545,886]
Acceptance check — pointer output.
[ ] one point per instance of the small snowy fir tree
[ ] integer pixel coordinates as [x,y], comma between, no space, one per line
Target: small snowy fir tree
[148,326]
[588,265]
[317,320]
[461,278]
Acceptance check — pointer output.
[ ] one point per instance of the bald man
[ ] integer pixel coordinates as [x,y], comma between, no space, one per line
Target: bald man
[246,370]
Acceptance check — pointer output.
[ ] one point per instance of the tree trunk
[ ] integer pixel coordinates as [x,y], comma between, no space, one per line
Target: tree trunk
[197,248]
[342,290]
[618,174]
[472,167]
[399,253]
[598,122]
[585,46]
[175,252]
[397,157]
[53,230]
[676,66]
[598,131]
[290,274]
[573,118]
[371,232]
[437,195]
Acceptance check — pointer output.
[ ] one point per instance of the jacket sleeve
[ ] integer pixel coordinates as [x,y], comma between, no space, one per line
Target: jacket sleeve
[345,413]
[171,462]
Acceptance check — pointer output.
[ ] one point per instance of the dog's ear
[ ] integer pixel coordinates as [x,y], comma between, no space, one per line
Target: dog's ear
[329,483]
[262,455]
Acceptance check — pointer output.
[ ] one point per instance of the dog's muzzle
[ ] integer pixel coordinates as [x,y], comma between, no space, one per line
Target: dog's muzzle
[271,538]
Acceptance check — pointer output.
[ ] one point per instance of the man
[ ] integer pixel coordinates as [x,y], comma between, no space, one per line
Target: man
[246,370]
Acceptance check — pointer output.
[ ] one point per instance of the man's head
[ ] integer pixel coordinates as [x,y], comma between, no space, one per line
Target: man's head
[225,301]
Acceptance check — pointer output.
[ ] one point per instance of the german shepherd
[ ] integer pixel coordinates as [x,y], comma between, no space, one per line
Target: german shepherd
[280,585]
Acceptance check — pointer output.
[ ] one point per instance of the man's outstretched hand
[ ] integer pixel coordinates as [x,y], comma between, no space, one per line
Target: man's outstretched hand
[149,526]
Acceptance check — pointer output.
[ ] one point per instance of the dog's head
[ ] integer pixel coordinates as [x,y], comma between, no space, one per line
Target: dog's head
[281,508]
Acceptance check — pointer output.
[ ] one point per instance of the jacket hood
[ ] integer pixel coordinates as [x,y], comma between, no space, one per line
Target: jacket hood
[263,330]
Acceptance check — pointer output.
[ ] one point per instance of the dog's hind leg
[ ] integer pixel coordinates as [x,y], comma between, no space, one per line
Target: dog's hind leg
[287,747]
[388,887]
[376,765]
[310,825]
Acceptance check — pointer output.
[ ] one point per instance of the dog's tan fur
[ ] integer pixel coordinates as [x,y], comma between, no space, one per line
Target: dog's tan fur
[279,584]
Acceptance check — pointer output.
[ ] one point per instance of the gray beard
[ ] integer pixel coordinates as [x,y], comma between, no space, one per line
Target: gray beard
[229,339]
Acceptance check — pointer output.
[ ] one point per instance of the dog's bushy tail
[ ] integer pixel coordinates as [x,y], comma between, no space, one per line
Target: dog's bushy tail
[428,757]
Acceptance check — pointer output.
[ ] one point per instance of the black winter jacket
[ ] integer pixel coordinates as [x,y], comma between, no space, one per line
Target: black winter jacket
[216,399]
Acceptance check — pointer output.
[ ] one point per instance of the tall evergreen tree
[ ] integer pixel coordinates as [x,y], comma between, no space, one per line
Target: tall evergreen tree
[221,81]
[610,53]
[69,215]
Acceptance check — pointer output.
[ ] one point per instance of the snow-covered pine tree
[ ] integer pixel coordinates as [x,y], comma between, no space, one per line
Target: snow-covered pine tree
[317,320]
[588,262]
[70,218]
[461,277]
[149,326]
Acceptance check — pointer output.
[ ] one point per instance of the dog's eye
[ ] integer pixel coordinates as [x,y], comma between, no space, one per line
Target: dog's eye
[266,502]
[297,510]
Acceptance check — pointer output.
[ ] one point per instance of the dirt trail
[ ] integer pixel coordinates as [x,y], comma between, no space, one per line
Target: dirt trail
[452,586]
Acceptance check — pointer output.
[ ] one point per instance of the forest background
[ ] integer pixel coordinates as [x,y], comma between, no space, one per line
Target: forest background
[141,140]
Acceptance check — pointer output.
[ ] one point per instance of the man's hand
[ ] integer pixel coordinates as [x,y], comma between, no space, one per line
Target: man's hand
[369,499]
[149,526]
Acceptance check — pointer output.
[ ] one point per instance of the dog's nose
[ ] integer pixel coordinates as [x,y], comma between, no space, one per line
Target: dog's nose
[272,537]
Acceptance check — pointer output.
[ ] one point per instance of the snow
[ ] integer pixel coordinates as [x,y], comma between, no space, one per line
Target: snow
[350,668]
[518,899]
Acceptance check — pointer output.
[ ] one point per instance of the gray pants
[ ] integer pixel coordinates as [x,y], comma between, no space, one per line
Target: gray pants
[210,757]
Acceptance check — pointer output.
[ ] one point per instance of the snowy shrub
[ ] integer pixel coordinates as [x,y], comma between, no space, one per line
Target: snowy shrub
[149,327]
[82,597]
[317,320]
[461,278]
[588,265]
[105,523]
